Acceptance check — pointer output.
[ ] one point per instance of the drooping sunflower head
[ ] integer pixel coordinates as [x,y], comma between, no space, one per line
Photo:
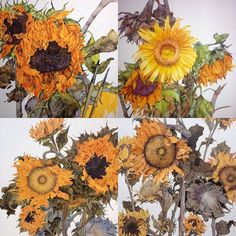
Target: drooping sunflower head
[194,225]
[207,199]
[15,21]
[140,92]
[157,151]
[31,219]
[45,128]
[38,182]
[55,58]
[167,54]
[210,73]
[133,223]
[225,172]
[98,157]
[226,122]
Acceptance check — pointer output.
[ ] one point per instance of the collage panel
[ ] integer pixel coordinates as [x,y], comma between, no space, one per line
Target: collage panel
[58,58]
[177,177]
[176,58]
[60,179]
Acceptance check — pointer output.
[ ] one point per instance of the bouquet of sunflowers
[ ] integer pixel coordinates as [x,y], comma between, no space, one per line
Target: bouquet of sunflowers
[169,172]
[171,66]
[51,66]
[68,189]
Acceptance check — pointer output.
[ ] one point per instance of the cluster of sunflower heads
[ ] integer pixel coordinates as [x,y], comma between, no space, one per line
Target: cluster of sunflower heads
[54,70]
[171,67]
[153,164]
[78,179]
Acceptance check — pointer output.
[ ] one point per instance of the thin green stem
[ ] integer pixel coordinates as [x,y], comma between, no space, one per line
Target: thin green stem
[130,191]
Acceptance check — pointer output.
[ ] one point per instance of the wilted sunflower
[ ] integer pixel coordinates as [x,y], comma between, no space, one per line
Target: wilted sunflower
[206,199]
[167,53]
[98,157]
[133,223]
[225,172]
[226,122]
[38,181]
[210,73]
[194,225]
[31,219]
[14,24]
[125,151]
[140,92]
[45,128]
[49,57]
[157,151]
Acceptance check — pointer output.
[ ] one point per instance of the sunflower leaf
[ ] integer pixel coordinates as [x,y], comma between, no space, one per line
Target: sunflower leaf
[173,93]
[162,107]
[62,138]
[220,38]
[103,66]
[204,108]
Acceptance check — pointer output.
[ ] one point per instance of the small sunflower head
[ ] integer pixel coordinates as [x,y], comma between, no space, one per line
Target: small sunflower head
[133,223]
[31,219]
[194,225]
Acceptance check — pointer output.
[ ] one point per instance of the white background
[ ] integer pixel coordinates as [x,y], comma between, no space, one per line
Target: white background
[206,17]
[105,21]
[127,129]
[15,141]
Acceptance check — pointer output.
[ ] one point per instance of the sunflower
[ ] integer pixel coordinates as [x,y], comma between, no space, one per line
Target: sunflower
[98,157]
[226,122]
[133,223]
[125,152]
[167,53]
[49,57]
[140,92]
[38,181]
[210,73]
[194,225]
[45,128]
[156,151]
[225,172]
[14,24]
[31,219]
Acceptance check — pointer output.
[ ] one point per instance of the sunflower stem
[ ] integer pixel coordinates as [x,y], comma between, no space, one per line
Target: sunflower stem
[209,138]
[130,191]
[182,206]
[96,12]
[213,226]
[64,219]
[125,110]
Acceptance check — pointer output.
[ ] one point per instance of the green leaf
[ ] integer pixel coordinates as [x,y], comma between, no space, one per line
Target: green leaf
[92,60]
[204,108]
[69,100]
[162,107]
[220,38]
[173,93]
[203,52]
[103,66]
[62,138]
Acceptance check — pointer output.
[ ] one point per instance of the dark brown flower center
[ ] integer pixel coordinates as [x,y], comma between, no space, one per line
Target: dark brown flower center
[131,227]
[142,89]
[17,26]
[53,59]
[96,167]
[42,179]
[30,217]
[193,223]
[228,176]
[158,154]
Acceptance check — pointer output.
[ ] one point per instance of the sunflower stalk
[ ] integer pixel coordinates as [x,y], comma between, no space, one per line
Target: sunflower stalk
[64,219]
[130,191]
[124,109]
[90,91]
[182,206]
[213,226]
[96,12]
[99,93]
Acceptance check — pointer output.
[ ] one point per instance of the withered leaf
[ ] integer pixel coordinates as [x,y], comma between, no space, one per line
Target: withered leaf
[62,138]
[128,206]
[221,147]
[7,74]
[222,228]
[196,132]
